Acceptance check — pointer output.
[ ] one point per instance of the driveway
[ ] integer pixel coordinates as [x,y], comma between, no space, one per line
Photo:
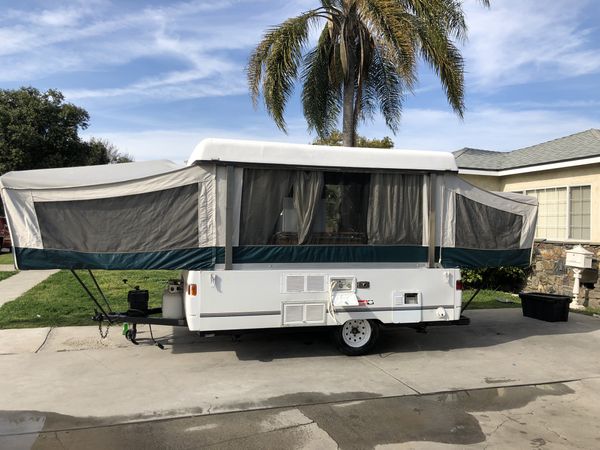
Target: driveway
[504,380]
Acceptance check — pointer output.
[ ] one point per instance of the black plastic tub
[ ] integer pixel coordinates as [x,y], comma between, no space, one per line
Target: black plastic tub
[548,307]
[138,302]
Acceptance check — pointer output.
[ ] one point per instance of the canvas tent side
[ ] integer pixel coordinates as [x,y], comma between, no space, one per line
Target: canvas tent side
[473,227]
[479,228]
[247,202]
[143,215]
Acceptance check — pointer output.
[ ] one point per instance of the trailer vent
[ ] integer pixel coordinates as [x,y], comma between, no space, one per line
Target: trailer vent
[315,283]
[315,313]
[293,314]
[304,313]
[294,283]
[304,283]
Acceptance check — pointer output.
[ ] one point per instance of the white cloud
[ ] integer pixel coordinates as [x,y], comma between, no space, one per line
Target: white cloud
[177,145]
[486,127]
[165,91]
[518,41]
[422,129]
[55,41]
[199,48]
[193,36]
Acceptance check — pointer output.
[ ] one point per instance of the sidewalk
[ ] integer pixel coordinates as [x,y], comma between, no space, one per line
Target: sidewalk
[18,284]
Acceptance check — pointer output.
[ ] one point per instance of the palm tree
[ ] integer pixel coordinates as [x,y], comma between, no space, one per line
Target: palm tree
[366,57]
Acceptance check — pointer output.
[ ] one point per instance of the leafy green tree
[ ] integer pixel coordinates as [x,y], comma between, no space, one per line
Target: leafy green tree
[336,138]
[40,130]
[365,59]
[107,152]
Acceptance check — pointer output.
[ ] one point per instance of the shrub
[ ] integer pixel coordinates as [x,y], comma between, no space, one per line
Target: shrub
[508,279]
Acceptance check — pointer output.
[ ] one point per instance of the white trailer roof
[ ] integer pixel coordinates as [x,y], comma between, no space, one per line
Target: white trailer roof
[277,153]
[68,177]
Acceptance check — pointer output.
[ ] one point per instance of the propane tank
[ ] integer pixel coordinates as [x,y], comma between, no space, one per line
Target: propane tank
[172,301]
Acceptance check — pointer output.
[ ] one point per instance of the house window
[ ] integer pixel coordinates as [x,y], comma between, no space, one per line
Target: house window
[563,212]
[579,212]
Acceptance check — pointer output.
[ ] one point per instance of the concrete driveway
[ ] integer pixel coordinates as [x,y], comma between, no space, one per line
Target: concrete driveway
[503,381]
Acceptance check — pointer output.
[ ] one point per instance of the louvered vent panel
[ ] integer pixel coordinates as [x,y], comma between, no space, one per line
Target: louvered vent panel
[315,313]
[293,314]
[294,283]
[398,299]
[315,283]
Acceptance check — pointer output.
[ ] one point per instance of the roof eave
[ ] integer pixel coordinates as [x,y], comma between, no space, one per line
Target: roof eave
[530,168]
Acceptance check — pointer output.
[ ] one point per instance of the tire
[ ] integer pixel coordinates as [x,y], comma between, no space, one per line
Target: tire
[357,336]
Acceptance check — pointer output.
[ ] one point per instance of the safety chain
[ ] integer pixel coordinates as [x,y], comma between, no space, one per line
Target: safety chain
[104,334]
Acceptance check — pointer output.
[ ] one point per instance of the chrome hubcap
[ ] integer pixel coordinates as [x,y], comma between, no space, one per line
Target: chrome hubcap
[356,333]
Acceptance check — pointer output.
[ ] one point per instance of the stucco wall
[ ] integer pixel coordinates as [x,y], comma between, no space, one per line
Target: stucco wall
[487,183]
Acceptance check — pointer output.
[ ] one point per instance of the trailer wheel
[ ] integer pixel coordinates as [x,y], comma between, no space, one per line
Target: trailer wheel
[357,336]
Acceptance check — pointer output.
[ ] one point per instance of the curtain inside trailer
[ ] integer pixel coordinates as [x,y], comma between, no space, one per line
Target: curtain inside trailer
[395,209]
[263,195]
[330,208]
[307,190]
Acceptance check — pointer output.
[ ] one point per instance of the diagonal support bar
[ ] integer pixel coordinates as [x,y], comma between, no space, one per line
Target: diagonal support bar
[89,293]
[100,291]
[470,300]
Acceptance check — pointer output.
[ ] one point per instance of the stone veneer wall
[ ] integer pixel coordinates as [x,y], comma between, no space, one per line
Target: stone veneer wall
[551,276]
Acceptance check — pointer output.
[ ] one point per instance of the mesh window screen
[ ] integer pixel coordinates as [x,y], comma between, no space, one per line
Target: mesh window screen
[154,221]
[479,226]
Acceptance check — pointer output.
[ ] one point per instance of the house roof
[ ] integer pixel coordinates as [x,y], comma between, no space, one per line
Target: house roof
[585,144]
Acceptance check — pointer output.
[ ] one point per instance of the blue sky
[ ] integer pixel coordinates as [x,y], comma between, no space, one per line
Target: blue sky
[158,76]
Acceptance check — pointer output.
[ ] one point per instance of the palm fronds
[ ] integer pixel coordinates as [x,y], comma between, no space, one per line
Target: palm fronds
[365,60]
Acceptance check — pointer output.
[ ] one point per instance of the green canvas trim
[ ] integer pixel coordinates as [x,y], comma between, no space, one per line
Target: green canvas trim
[328,254]
[467,258]
[206,258]
[188,259]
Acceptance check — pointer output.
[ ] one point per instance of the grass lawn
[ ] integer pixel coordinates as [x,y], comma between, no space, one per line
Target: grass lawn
[6,258]
[487,299]
[61,301]
[5,275]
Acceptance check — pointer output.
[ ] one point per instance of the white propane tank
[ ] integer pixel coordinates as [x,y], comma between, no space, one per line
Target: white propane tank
[172,301]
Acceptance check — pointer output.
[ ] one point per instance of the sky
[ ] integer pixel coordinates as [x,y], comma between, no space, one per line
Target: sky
[159,76]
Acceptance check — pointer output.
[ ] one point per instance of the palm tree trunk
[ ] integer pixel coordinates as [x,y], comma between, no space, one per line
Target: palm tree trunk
[349,118]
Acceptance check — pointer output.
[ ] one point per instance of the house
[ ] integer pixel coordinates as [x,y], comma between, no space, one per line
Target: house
[564,175]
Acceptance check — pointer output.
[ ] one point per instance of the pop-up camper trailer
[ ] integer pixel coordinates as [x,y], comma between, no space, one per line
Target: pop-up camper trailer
[273,235]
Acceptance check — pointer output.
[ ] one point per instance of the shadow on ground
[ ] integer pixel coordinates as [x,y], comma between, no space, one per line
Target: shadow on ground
[488,328]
